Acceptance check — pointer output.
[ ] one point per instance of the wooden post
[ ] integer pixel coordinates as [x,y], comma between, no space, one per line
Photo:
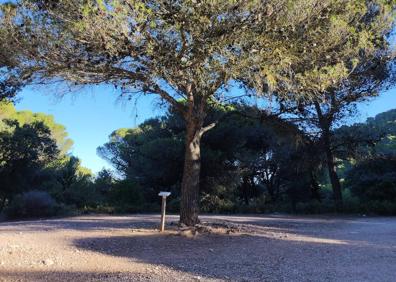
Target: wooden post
[163,209]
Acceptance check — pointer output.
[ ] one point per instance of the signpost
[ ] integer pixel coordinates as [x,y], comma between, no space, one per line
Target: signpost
[163,208]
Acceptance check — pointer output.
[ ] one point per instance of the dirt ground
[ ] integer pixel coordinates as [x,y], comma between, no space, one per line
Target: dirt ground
[265,248]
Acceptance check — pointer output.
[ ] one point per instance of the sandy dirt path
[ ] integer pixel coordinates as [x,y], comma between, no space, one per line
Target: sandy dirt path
[269,248]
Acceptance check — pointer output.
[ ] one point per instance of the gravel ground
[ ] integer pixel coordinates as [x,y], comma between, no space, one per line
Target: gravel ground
[263,248]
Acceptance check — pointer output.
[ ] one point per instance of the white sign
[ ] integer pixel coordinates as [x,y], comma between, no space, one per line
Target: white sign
[164,194]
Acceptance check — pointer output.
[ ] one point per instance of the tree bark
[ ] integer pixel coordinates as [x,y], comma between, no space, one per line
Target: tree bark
[194,118]
[245,189]
[335,181]
[189,205]
[2,203]
[315,188]
[325,122]
[331,167]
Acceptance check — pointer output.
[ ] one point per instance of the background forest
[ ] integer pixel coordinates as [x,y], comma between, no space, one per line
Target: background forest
[253,161]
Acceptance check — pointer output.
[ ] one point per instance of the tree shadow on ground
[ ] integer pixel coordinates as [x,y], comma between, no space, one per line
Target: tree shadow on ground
[247,257]
[208,256]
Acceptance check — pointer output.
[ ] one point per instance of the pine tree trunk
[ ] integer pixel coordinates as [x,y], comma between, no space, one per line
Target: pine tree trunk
[331,166]
[189,206]
[315,188]
[2,204]
[245,190]
[335,181]
[194,118]
[325,122]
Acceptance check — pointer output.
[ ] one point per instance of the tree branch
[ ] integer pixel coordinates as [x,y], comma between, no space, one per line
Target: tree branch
[207,128]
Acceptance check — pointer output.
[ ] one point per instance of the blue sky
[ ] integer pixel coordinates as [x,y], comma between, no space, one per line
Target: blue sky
[92,114]
[385,102]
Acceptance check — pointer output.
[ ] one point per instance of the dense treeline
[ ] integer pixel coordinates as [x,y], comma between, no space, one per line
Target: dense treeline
[37,175]
[252,161]
[240,157]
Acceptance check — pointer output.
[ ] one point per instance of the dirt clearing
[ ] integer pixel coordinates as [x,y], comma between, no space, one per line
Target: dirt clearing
[261,248]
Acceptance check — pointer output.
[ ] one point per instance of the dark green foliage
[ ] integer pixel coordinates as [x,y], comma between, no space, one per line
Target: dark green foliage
[69,183]
[126,196]
[58,131]
[9,82]
[104,182]
[219,199]
[134,152]
[373,180]
[150,156]
[24,152]
[379,207]
[249,164]
[32,158]
[385,125]
[32,204]
[245,160]
[375,137]
[252,162]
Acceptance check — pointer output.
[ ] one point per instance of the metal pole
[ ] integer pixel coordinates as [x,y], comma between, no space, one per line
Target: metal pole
[163,207]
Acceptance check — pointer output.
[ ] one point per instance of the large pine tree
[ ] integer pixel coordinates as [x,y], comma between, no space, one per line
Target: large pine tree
[188,52]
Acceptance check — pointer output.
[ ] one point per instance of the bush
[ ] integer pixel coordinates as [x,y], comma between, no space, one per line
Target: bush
[351,203]
[219,199]
[173,205]
[379,207]
[310,207]
[99,209]
[82,195]
[32,204]
[256,205]
[126,196]
[373,180]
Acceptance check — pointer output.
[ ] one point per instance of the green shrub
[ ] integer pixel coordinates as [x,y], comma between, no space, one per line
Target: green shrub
[126,196]
[310,207]
[32,204]
[379,207]
[351,203]
[98,209]
[256,205]
[82,195]
[373,180]
[173,205]
[216,204]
